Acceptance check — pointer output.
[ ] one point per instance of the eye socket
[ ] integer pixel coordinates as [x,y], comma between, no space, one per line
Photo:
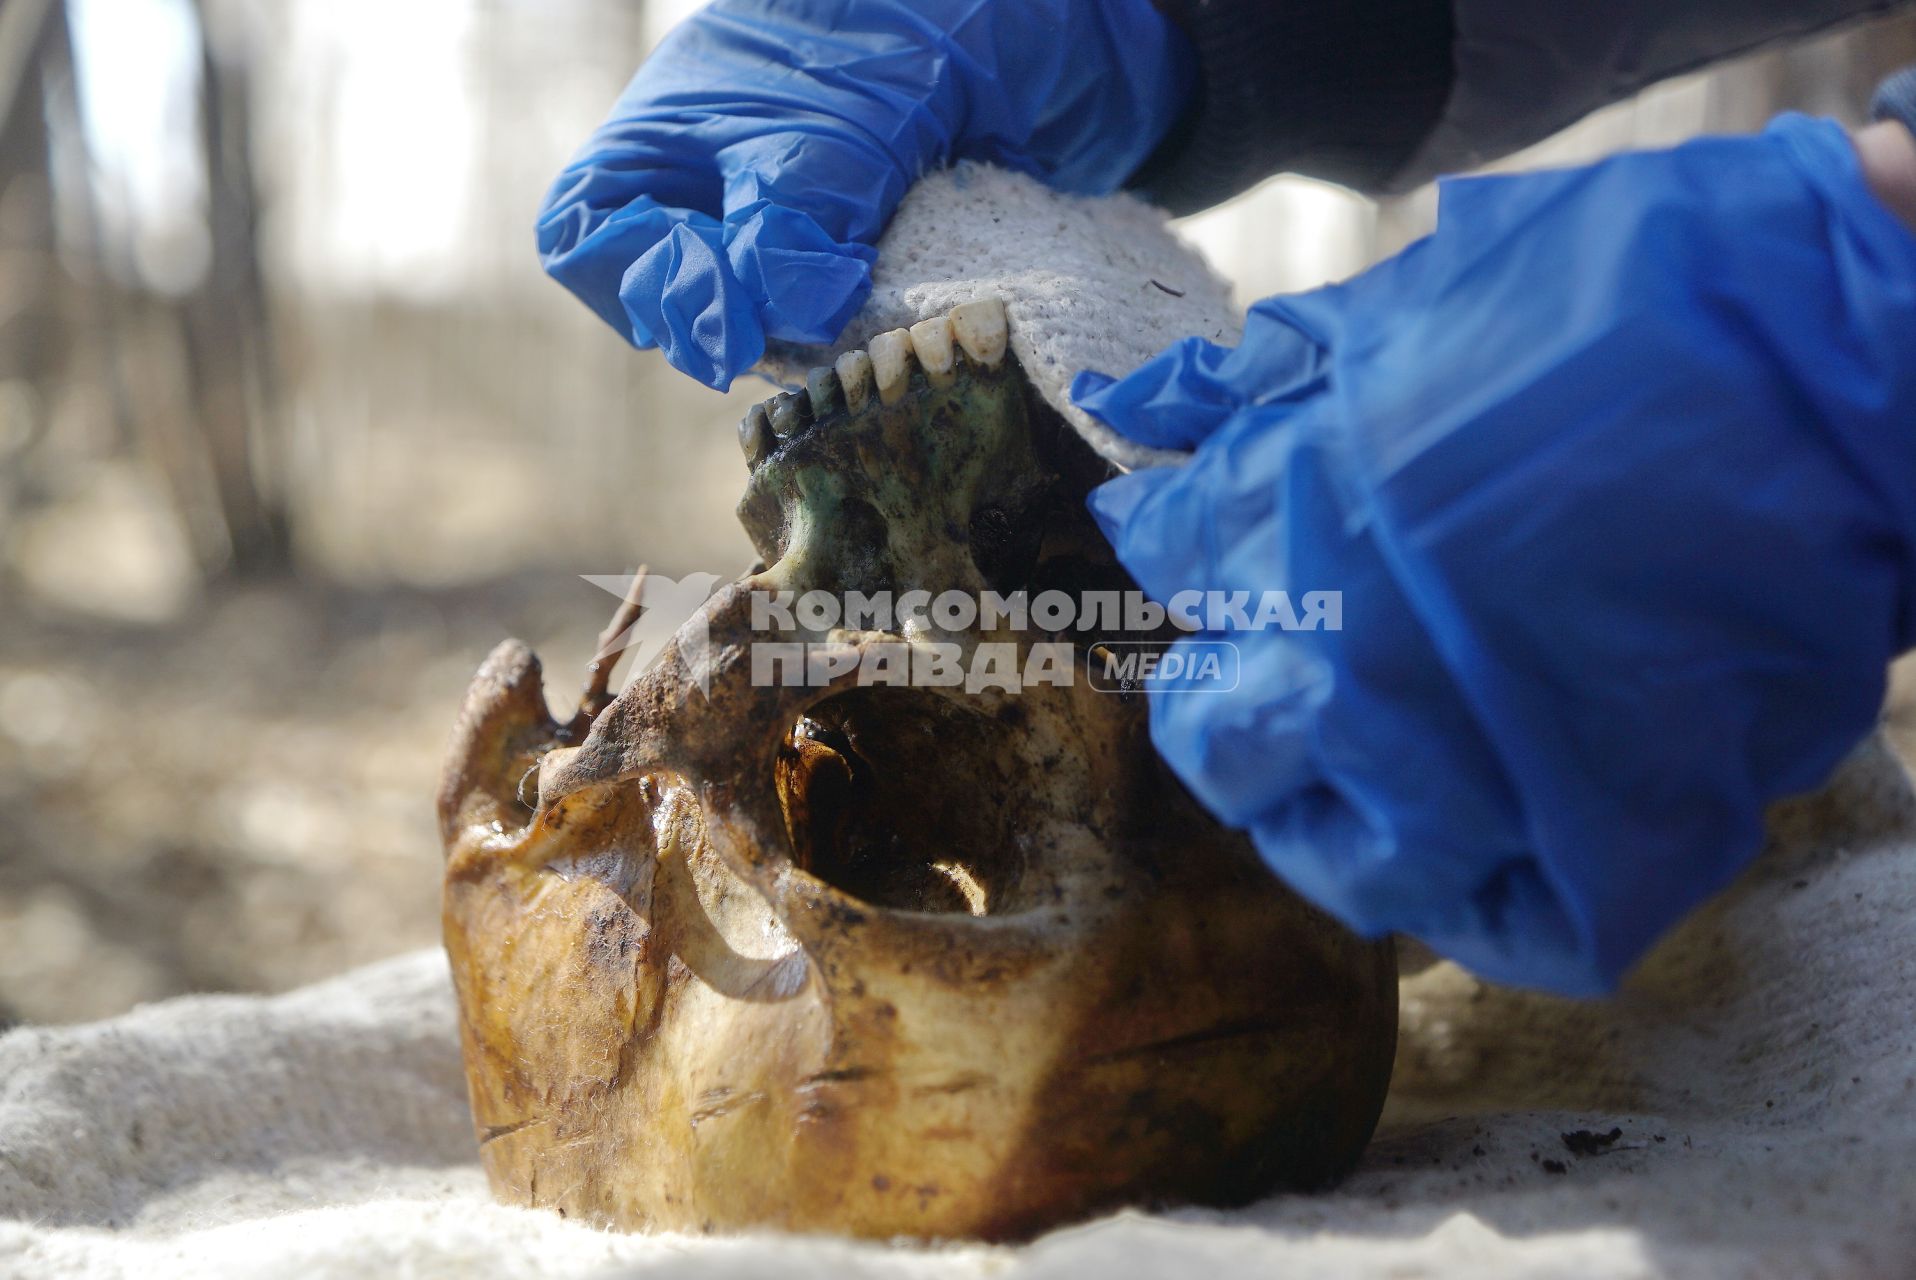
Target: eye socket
[881,801]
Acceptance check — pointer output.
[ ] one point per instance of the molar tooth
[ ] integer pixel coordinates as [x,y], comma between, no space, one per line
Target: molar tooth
[755,435]
[931,339]
[855,376]
[891,364]
[980,328]
[788,415]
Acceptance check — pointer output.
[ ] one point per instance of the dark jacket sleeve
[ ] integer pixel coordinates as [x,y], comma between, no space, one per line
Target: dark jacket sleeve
[1383,94]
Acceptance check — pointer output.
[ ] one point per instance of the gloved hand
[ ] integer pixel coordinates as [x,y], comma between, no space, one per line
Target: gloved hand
[738,187]
[1616,473]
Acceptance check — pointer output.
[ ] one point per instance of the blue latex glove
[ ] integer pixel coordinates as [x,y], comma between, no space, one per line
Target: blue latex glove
[1617,475]
[738,187]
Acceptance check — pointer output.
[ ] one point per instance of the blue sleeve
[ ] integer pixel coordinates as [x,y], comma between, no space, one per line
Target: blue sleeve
[1616,473]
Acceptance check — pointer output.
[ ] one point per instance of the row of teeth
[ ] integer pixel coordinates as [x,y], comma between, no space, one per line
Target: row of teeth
[977,328]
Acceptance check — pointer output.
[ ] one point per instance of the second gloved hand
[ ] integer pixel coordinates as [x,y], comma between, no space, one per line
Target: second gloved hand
[742,179]
[1616,474]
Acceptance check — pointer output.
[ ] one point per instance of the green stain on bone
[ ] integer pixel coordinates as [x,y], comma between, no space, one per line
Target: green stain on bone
[884,498]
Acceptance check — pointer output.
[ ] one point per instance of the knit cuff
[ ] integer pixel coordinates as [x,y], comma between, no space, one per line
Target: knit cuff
[1344,92]
[1895,99]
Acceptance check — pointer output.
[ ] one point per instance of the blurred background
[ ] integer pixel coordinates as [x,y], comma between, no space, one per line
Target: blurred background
[293,430]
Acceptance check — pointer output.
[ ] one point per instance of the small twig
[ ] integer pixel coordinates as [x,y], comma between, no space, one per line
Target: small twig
[596,695]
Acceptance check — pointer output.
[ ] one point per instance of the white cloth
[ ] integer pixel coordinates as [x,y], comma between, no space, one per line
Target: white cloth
[1089,283]
[1761,1067]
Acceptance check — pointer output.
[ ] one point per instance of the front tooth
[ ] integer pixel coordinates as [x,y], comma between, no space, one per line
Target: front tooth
[980,329]
[891,364]
[755,435]
[855,377]
[931,339]
[822,385]
[788,418]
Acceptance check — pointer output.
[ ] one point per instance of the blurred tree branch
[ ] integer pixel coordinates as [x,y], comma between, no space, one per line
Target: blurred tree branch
[25,27]
[189,375]
[226,321]
[32,35]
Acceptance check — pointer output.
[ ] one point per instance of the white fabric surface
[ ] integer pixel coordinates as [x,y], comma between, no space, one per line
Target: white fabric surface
[1088,283]
[1761,1065]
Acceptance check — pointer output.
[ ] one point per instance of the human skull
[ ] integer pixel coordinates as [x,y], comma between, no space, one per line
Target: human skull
[876,959]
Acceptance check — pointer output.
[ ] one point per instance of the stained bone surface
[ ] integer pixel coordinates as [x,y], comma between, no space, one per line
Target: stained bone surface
[884,960]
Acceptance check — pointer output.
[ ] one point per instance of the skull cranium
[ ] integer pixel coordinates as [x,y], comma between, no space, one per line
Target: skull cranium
[873,959]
